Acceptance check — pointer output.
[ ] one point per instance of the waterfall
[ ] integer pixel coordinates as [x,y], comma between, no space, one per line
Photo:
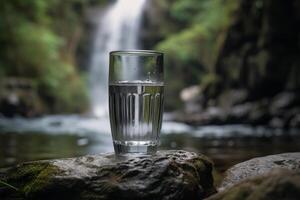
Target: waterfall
[118,30]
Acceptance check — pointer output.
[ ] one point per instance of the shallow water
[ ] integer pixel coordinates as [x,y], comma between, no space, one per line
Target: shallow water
[66,136]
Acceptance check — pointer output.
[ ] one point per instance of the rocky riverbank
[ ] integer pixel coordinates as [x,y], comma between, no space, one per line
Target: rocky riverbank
[172,175]
[236,107]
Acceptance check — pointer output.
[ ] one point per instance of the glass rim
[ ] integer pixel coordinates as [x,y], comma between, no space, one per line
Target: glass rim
[136,53]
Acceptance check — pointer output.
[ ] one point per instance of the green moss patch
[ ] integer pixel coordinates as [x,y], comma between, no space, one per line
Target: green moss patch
[31,178]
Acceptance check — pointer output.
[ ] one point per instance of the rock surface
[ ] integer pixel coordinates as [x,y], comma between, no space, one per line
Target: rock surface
[276,185]
[281,111]
[169,175]
[260,166]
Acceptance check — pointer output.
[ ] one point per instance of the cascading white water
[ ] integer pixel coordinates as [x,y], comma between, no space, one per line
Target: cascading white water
[118,30]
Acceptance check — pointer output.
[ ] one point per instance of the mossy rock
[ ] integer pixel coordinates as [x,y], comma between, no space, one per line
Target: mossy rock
[260,166]
[169,175]
[279,184]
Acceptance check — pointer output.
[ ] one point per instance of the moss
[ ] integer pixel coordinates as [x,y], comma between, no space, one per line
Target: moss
[204,168]
[199,165]
[218,177]
[31,178]
[238,193]
[40,182]
[24,173]
[276,185]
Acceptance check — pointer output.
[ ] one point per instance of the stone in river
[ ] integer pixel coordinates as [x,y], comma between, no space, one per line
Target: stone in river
[260,166]
[169,175]
[279,184]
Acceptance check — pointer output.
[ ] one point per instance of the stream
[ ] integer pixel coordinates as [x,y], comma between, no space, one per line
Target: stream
[60,136]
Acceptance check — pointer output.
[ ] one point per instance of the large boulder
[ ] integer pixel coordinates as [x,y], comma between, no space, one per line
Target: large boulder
[276,185]
[260,166]
[169,175]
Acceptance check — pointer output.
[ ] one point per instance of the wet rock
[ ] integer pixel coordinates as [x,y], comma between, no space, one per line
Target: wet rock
[259,113]
[260,166]
[211,115]
[240,112]
[282,101]
[191,93]
[192,99]
[18,96]
[276,185]
[276,122]
[215,114]
[229,98]
[295,122]
[168,175]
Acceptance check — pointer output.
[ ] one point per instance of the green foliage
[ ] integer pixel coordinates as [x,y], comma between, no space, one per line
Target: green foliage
[193,50]
[185,11]
[36,36]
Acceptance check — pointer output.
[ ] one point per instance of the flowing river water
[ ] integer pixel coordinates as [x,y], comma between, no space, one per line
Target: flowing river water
[59,136]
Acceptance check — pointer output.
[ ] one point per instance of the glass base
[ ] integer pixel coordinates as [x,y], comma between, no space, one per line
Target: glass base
[132,148]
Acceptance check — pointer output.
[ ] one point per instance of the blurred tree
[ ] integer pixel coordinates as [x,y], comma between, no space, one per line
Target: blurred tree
[37,40]
[191,32]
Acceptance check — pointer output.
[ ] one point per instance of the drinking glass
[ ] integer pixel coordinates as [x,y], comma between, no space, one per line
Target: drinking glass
[136,96]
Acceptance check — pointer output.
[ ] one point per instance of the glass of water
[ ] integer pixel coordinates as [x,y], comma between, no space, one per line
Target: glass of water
[136,95]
